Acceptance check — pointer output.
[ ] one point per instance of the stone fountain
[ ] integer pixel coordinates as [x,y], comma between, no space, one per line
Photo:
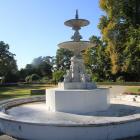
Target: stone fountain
[76,110]
[77,93]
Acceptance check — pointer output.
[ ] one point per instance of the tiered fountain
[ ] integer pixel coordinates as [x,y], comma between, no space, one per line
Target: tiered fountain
[77,94]
[76,77]
[76,110]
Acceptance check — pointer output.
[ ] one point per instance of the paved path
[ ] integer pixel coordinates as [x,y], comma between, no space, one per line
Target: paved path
[4,137]
[9,138]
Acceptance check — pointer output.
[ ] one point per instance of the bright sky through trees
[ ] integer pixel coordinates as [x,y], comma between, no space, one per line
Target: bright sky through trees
[33,28]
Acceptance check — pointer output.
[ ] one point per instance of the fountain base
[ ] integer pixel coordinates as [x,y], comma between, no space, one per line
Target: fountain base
[77,101]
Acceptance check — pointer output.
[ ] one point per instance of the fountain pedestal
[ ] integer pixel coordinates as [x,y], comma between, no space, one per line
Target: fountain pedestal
[77,101]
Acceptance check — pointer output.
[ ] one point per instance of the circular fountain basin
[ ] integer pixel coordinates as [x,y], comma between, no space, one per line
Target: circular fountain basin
[29,119]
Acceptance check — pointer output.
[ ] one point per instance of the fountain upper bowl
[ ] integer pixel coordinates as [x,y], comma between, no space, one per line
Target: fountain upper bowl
[76,23]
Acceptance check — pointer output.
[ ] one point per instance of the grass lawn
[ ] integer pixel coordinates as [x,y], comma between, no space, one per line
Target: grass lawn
[22,90]
[133,90]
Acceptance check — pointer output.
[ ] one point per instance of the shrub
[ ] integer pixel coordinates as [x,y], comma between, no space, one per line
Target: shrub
[96,78]
[58,75]
[45,79]
[35,77]
[27,79]
[32,78]
[120,79]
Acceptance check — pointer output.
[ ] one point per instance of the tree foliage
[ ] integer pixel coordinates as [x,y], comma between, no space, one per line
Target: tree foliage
[62,60]
[8,66]
[58,76]
[41,66]
[32,78]
[120,28]
[96,60]
[115,57]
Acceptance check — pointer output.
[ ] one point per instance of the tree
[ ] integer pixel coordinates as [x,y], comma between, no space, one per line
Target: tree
[58,76]
[62,60]
[28,70]
[132,54]
[8,66]
[120,28]
[32,78]
[41,66]
[96,61]
[47,59]
[45,69]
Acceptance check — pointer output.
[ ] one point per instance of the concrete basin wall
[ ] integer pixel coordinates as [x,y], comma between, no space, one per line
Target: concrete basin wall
[121,127]
[28,131]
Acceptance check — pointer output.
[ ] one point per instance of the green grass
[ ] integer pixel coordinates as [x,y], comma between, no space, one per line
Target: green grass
[20,90]
[23,90]
[119,83]
[133,89]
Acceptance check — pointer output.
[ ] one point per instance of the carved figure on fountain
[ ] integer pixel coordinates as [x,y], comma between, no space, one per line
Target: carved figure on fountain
[68,76]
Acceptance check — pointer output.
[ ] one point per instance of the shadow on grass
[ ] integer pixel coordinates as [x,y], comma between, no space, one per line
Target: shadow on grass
[25,87]
[8,92]
[8,96]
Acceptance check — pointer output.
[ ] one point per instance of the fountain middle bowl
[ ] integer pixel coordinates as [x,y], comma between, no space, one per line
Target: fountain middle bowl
[76,46]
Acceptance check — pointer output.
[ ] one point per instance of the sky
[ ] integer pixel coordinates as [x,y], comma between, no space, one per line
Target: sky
[33,28]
